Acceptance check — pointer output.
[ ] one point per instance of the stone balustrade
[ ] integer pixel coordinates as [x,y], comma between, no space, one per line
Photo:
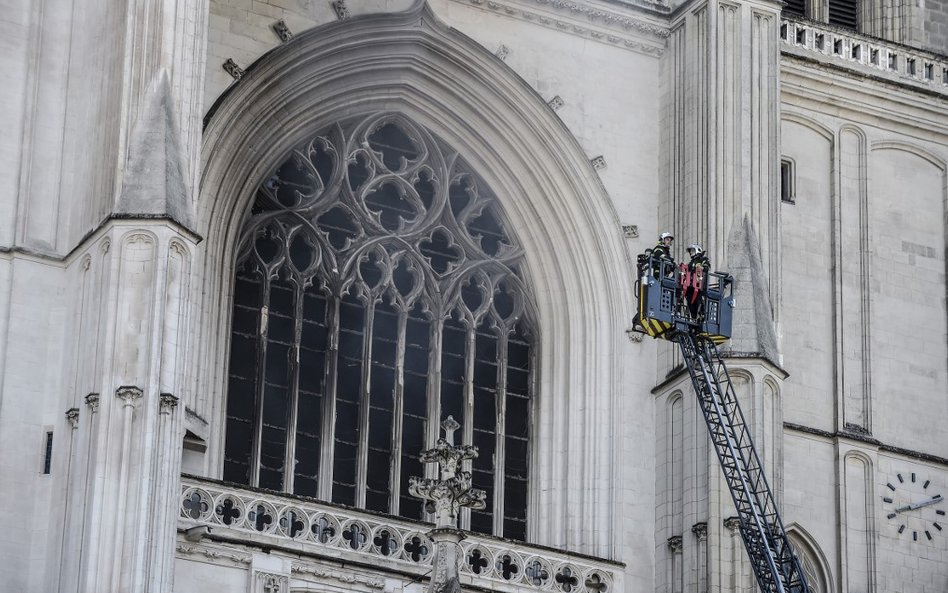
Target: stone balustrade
[864,54]
[388,543]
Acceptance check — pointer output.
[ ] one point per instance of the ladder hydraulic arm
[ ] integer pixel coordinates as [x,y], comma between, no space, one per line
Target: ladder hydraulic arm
[775,565]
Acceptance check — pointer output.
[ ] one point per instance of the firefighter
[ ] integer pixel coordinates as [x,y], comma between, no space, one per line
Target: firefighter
[662,251]
[698,269]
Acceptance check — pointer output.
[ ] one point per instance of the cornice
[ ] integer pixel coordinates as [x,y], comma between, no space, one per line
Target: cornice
[642,33]
[822,88]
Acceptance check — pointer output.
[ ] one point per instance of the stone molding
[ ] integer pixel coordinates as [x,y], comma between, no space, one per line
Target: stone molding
[675,543]
[700,530]
[215,555]
[340,576]
[92,400]
[621,30]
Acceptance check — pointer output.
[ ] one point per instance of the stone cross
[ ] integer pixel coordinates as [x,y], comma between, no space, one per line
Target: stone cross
[448,493]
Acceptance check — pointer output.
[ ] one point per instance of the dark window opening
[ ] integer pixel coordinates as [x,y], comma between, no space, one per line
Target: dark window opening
[795,8]
[48,454]
[787,181]
[361,276]
[844,13]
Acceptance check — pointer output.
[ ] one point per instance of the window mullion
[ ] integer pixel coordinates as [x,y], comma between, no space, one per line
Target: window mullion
[327,441]
[293,380]
[434,390]
[500,433]
[395,476]
[362,452]
[467,429]
[260,382]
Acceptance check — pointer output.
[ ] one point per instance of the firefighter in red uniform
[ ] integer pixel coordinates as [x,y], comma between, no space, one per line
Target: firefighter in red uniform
[696,282]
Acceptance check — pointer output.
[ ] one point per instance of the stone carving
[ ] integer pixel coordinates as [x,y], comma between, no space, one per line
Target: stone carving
[598,162]
[674,543]
[701,531]
[502,52]
[342,11]
[448,494]
[266,582]
[213,554]
[282,31]
[630,231]
[634,336]
[347,578]
[72,415]
[129,394]
[92,400]
[167,403]
[231,67]
[555,103]
[732,523]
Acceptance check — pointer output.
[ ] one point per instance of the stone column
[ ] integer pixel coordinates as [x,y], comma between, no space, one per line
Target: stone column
[722,183]
[675,576]
[130,473]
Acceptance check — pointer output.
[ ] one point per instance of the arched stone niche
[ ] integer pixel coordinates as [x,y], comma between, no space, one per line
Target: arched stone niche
[575,258]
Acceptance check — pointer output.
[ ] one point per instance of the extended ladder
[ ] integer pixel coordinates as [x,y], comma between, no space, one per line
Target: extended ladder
[775,566]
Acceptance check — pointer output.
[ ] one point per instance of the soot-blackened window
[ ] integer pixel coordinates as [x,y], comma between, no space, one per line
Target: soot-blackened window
[378,291]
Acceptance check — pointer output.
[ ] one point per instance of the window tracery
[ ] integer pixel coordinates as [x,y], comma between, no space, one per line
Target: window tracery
[377,290]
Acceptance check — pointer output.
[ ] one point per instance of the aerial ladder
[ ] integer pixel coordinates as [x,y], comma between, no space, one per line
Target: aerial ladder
[694,310]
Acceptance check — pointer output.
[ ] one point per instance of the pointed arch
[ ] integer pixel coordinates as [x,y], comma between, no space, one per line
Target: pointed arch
[574,255]
[815,566]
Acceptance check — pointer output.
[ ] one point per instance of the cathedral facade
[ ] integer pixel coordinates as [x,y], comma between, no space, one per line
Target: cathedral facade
[254,253]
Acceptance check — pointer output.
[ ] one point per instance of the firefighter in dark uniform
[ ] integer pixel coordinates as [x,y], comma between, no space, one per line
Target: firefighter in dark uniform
[698,268]
[663,251]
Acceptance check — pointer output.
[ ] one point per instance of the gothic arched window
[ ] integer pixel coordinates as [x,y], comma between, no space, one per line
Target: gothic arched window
[377,292]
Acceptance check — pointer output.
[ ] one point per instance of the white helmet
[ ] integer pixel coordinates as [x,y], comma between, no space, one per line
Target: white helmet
[696,248]
[666,235]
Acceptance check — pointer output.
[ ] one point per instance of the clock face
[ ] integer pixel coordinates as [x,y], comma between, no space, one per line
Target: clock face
[912,506]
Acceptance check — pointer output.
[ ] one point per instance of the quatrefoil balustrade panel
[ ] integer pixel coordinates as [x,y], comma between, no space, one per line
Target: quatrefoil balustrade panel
[391,545]
[378,290]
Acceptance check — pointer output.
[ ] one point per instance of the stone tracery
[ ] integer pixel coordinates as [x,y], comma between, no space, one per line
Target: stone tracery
[374,242]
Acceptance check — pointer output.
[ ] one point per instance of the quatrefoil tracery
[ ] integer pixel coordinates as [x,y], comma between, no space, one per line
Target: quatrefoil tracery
[378,209]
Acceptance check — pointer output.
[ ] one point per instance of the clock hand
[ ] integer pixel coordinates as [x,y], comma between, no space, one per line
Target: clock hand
[917,505]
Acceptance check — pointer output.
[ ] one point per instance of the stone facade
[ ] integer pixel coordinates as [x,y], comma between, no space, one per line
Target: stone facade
[137,134]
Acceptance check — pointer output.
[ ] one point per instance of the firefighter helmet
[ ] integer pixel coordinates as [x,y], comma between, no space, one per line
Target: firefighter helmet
[696,248]
[666,235]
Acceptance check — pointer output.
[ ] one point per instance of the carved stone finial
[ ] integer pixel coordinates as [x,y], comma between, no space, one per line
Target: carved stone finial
[450,425]
[167,403]
[452,489]
[342,11]
[732,523]
[555,103]
[72,415]
[674,543]
[598,162]
[447,494]
[231,67]
[700,530]
[282,31]
[92,400]
[129,394]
